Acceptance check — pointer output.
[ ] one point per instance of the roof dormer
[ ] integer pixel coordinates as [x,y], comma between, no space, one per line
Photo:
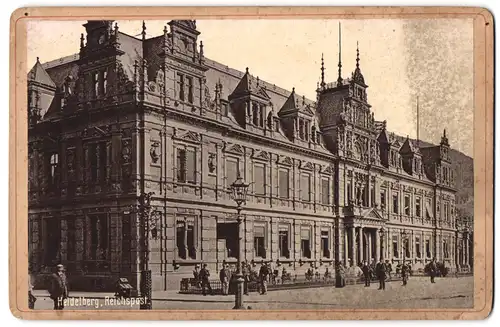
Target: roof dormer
[297,117]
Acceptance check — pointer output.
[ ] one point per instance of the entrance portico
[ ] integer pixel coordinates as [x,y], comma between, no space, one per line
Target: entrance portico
[362,236]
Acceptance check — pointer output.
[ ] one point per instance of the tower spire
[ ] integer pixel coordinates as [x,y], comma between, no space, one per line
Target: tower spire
[357,54]
[339,79]
[322,72]
[143,30]
[418,124]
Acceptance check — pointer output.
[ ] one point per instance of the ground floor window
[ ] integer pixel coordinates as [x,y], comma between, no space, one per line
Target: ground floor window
[228,232]
[185,237]
[325,244]
[52,241]
[283,241]
[259,241]
[305,244]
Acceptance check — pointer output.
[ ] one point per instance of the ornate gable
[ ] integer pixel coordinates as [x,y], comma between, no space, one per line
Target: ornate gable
[306,165]
[327,169]
[189,136]
[284,160]
[234,149]
[261,155]
[372,214]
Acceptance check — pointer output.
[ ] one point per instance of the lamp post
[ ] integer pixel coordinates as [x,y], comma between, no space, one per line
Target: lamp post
[403,234]
[145,287]
[382,234]
[239,191]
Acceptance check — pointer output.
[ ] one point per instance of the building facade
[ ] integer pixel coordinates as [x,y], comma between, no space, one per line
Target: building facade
[129,116]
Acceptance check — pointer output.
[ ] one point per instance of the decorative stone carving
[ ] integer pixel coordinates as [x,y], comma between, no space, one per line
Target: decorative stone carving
[211,163]
[126,151]
[155,151]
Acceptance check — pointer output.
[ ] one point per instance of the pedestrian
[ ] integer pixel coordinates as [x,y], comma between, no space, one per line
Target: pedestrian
[196,276]
[388,269]
[58,288]
[204,274]
[404,273]
[263,276]
[31,297]
[245,271]
[366,273]
[340,275]
[224,279]
[381,271]
[433,269]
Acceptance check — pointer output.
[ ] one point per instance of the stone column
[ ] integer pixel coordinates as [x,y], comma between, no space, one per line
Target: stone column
[346,245]
[361,246]
[370,247]
[377,245]
[353,245]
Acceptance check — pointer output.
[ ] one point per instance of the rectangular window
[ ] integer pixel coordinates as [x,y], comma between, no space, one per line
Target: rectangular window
[349,193]
[407,205]
[428,209]
[186,166]
[52,241]
[395,204]
[228,233]
[99,237]
[427,248]
[103,156]
[418,208]
[307,131]
[95,82]
[261,116]
[305,187]
[382,199]
[283,239]
[104,82]
[305,244]
[181,165]
[372,196]
[259,241]
[325,191]
[325,244]
[407,248]
[301,129]
[190,89]
[232,167]
[417,247]
[181,86]
[395,247]
[94,162]
[54,169]
[255,114]
[259,179]
[181,240]
[191,166]
[283,184]
[191,241]
[445,249]
[71,239]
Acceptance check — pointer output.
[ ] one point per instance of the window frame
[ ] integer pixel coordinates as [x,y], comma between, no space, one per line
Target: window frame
[262,166]
[287,190]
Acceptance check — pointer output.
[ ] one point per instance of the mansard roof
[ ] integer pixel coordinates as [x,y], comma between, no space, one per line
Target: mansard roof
[39,75]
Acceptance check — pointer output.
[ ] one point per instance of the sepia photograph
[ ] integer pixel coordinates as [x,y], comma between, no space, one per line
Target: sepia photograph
[250,164]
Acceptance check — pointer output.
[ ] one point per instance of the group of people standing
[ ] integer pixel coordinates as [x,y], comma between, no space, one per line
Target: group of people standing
[382,271]
[227,277]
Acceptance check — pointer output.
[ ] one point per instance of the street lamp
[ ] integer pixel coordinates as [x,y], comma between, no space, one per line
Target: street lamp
[239,191]
[403,234]
[382,234]
[145,287]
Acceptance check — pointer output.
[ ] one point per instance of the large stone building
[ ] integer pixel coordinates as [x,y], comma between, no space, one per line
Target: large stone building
[127,116]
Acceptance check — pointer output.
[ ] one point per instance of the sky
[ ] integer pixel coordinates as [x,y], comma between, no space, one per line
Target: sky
[431,59]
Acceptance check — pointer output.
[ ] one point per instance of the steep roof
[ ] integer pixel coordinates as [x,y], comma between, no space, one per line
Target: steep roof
[293,103]
[39,75]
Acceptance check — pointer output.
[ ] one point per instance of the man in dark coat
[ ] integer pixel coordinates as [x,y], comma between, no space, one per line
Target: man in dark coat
[404,273]
[433,269]
[225,277]
[58,288]
[204,274]
[263,276]
[381,271]
[340,275]
[367,274]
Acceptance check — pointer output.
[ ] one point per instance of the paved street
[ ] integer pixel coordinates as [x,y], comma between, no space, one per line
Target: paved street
[418,294]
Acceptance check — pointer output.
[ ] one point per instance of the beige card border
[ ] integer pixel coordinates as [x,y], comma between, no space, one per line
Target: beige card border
[483,156]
